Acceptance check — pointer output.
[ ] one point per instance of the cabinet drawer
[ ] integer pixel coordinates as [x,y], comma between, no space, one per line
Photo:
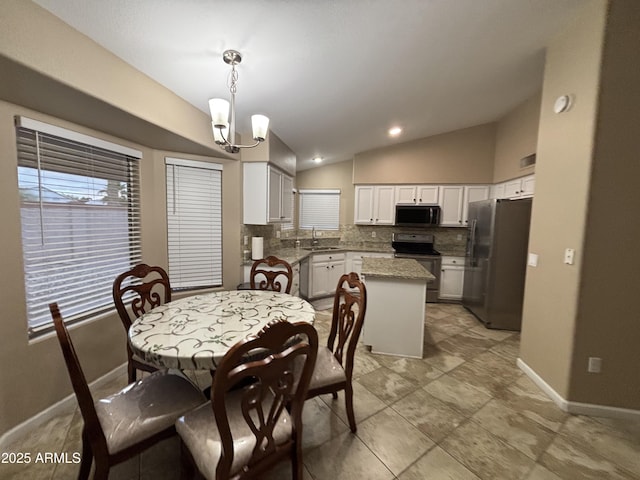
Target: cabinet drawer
[454,261]
[327,257]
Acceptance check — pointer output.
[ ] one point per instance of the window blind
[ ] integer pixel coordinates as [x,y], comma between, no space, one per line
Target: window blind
[194,220]
[319,209]
[80,214]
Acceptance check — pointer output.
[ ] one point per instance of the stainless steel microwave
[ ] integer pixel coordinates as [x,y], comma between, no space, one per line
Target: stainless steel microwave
[417,215]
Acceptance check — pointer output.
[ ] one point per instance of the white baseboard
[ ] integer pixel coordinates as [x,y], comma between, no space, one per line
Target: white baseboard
[66,405]
[577,408]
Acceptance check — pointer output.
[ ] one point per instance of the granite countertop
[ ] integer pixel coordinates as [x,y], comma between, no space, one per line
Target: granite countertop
[403,268]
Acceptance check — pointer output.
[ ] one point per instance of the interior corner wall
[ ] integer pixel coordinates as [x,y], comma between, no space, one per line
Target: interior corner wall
[608,324]
[563,177]
[334,175]
[516,137]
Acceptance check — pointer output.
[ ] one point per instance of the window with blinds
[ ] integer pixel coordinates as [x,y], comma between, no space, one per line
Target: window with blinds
[194,220]
[319,209]
[80,213]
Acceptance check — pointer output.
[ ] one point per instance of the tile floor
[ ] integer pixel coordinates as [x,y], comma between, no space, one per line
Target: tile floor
[463,412]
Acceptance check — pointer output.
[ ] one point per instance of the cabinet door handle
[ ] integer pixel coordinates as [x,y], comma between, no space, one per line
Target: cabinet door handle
[420,200]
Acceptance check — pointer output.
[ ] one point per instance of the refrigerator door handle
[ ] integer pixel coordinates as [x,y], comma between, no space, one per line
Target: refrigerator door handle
[472,243]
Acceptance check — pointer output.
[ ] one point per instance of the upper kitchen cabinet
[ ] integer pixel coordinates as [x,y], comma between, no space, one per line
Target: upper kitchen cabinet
[267,194]
[454,201]
[417,194]
[374,204]
[517,188]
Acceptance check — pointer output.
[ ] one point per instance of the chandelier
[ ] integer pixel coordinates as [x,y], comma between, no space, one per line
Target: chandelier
[223,113]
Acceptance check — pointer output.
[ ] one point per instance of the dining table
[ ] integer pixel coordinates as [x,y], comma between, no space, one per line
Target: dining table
[195,332]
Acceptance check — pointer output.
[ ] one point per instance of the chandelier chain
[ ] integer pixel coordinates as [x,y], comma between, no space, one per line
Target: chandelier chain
[232,81]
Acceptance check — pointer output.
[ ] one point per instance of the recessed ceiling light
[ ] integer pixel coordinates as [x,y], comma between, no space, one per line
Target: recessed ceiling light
[317,159]
[395,131]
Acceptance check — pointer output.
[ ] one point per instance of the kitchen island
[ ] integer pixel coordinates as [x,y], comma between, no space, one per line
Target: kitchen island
[396,302]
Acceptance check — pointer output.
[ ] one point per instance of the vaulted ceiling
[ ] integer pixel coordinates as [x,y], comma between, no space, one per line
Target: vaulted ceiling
[334,76]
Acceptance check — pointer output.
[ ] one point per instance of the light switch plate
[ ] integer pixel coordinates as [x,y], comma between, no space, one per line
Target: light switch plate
[569,254]
[532,260]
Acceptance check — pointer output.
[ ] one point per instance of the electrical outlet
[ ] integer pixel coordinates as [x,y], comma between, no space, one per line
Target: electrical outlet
[595,365]
[373,234]
[458,237]
[278,234]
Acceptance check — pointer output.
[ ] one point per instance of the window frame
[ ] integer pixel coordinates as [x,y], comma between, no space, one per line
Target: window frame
[65,234]
[181,270]
[315,195]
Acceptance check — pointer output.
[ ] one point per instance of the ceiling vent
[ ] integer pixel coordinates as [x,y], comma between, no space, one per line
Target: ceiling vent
[528,161]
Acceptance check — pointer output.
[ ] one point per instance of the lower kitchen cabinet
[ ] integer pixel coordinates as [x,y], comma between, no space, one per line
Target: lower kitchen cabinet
[452,278]
[324,272]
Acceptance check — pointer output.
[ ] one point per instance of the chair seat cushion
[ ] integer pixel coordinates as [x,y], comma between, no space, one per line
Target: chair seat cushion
[327,370]
[199,433]
[145,408]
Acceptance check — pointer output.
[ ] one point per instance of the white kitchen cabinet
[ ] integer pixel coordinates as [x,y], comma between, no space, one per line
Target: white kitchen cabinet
[325,270]
[267,194]
[417,194]
[497,191]
[517,188]
[452,278]
[472,193]
[374,205]
[451,197]
[454,201]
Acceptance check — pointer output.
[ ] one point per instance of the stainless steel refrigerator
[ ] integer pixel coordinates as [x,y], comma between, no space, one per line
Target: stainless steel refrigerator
[496,261]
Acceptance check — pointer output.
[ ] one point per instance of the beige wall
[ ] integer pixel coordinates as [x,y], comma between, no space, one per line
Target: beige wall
[586,179]
[273,150]
[463,156]
[335,175]
[40,377]
[516,137]
[608,319]
[48,66]
[563,170]
[40,58]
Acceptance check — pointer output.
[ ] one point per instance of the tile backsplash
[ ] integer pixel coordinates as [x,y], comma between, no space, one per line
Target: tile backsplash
[448,240]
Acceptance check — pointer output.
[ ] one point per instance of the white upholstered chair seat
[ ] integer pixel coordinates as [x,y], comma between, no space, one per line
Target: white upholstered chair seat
[145,408]
[199,433]
[327,370]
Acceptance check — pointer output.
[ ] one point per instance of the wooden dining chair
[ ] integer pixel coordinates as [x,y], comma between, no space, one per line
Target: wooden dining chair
[334,367]
[255,416]
[143,287]
[129,421]
[266,272]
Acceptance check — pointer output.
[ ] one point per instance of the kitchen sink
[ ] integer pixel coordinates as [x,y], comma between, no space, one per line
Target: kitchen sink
[319,249]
